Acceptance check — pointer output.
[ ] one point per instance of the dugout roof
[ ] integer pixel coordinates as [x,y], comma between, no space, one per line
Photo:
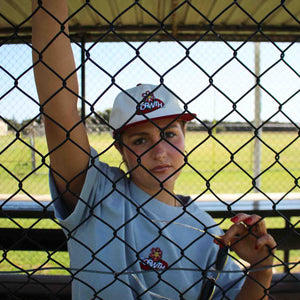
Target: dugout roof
[263,20]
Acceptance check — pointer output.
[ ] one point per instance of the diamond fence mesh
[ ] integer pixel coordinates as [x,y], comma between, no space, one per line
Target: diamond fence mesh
[243,144]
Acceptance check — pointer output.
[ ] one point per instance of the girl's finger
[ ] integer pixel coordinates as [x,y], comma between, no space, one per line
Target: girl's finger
[265,240]
[257,222]
[240,217]
[236,230]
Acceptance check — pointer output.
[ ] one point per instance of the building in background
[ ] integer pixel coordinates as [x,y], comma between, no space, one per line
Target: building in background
[3,128]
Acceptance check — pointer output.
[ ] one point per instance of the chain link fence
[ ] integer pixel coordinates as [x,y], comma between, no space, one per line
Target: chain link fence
[214,110]
[244,141]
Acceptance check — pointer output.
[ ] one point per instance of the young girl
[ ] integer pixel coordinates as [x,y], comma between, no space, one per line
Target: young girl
[129,235]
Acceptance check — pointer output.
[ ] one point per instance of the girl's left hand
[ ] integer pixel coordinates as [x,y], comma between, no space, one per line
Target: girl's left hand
[249,238]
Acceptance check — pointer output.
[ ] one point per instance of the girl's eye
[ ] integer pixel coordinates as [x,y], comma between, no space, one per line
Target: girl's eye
[169,134]
[139,141]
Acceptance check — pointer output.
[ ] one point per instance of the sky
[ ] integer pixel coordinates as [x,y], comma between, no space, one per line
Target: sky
[188,76]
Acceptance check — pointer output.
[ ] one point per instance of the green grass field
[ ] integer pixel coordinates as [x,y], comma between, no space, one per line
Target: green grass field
[224,163]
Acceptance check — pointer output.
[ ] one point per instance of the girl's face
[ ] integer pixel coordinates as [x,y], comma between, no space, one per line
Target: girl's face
[154,154]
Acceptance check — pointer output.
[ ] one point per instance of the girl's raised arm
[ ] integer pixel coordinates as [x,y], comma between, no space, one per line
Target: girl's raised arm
[57,86]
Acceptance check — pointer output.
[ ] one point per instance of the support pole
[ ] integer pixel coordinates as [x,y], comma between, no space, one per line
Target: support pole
[257,121]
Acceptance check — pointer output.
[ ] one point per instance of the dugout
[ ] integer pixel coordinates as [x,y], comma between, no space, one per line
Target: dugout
[167,20]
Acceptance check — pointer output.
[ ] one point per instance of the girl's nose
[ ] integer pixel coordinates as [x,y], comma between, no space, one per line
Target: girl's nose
[159,149]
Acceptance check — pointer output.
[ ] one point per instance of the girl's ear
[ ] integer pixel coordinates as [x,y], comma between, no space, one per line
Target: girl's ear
[119,147]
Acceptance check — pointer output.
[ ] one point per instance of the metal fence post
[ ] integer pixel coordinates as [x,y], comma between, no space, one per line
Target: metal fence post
[257,121]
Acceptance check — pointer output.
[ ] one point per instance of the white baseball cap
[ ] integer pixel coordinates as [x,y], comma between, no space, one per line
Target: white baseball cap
[143,103]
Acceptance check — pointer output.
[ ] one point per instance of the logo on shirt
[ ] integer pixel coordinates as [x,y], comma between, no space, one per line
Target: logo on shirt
[149,104]
[154,260]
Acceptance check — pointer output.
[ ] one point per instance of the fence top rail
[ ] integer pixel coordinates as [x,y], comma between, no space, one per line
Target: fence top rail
[40,205]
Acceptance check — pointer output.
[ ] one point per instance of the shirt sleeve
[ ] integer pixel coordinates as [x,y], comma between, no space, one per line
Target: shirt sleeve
[99,182]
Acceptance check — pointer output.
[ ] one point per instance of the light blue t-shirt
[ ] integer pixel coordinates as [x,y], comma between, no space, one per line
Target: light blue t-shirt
[124,244]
